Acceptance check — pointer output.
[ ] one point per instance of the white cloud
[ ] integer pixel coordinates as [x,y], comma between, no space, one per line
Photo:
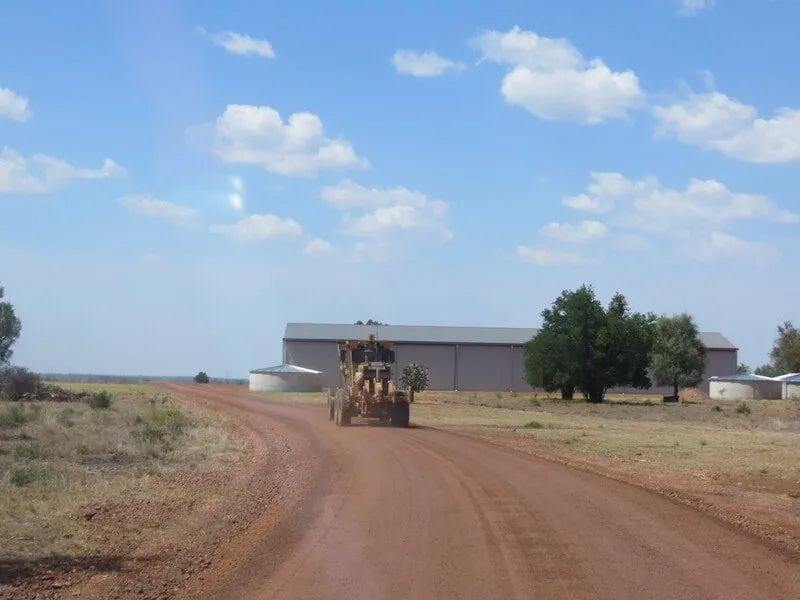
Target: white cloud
[259,227]
[423,64]
[42,173]
[256,135]
[236,201]
[317,246]
[236,197]
[243,44]
[693,7]
[715,121]
[647,205]
[547,257]
[13,106]
[383,209]
[585,231]
[149,206]
[551,78]
[719,245]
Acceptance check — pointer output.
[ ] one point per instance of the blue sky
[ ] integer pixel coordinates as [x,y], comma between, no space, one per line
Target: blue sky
[180,179]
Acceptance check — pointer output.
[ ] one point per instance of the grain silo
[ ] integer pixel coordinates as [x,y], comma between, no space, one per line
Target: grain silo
[285,378]
[744,386]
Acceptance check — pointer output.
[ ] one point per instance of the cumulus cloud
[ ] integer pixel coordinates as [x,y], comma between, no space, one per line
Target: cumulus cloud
[647,205]
[317,246]
[548,257]
[382,209]
[13,106]
[423,64]
[150,206]
[550,78]
[700,211]
[257,135]
[242,44]
[585,231]
[260,227]
[693,7]
[717,122]
[719,245]
[42,173]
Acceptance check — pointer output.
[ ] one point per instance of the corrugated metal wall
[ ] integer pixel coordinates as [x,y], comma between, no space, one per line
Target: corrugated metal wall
[464,366]
[483,368]
[439,358]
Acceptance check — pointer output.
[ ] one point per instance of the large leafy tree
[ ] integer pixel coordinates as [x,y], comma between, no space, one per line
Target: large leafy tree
[678,354]
[10,328]
[590,348]
[785,353]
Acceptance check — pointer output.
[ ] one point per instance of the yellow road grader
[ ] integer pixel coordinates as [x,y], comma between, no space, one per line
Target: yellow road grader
[367,389]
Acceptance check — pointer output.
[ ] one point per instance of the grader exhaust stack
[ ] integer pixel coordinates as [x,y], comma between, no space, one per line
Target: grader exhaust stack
[367,388]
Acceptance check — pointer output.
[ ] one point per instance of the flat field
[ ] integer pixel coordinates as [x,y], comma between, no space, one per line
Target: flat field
[82,484]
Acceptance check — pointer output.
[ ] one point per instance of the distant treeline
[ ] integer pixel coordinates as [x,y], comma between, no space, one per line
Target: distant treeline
[92,378]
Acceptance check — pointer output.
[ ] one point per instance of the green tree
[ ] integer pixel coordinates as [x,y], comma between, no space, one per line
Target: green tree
[785,353]
[368,322]
[584,346]
[743,369]
[10,328]
[678,354]
[415,378]
[201,377]
[768,371]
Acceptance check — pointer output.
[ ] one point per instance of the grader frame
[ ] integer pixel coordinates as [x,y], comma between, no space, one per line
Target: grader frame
[367,389]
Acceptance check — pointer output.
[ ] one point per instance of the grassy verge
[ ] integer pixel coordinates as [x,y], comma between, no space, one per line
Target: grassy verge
[62,463]
[716,439]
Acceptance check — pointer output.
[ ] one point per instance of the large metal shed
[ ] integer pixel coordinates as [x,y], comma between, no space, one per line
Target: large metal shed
[459,358]
[744,386]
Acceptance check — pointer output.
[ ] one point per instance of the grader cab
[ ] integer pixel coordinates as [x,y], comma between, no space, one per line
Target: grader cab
[367,389]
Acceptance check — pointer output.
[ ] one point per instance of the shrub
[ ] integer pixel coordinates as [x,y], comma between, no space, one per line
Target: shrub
[535,401]
[65,417]
[17,383]
[17,415]
[30,451]
[162,427]
[533,425]
[716,408]
[22,476]
[100,401]
[743,409]
[201,377]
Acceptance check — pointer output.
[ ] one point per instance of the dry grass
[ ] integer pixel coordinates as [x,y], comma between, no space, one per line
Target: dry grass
[58,460]
[694,438]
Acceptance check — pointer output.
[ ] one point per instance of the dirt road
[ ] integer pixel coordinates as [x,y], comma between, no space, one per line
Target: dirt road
[380,512]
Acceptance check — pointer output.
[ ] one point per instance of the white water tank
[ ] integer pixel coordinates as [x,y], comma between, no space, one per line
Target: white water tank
[285,378]
[791,386]
[744,386]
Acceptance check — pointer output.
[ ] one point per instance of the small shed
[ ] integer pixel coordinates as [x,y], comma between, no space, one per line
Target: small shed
[285,378]
[791,386]
[744,386]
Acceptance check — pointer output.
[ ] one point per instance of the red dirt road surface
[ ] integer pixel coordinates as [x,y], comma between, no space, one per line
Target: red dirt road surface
[378,512]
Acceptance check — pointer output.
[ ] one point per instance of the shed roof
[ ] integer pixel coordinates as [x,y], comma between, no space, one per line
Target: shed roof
[285,369]
[790,377]
[437,334]
[741,377]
